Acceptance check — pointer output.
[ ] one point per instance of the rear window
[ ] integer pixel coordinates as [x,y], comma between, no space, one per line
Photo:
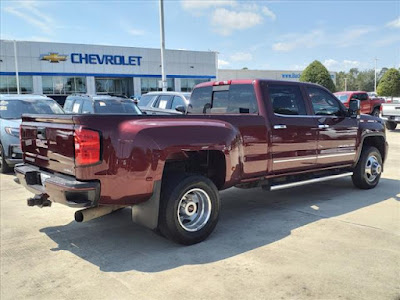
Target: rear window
[116,107]
[237,99]
[13,109]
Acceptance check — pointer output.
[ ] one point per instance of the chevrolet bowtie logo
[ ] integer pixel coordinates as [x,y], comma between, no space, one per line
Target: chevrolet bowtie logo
[53,57]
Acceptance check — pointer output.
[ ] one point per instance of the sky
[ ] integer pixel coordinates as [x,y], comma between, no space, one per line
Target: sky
[262,35]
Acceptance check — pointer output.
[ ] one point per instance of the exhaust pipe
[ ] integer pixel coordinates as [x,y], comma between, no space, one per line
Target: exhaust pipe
[91,213]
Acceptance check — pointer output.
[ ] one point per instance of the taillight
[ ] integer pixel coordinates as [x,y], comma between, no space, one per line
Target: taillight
[87,146]
[225,82]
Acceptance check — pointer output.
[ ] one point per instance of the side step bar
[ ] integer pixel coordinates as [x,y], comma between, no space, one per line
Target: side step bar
[309,181]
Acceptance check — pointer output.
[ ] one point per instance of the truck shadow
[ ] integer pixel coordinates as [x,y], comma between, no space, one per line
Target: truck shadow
[249,219]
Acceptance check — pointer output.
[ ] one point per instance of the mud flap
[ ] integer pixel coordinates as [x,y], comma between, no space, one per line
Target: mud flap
[146,213]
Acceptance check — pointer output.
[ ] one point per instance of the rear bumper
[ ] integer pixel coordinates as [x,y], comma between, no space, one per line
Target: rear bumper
[59,188]
[395,119]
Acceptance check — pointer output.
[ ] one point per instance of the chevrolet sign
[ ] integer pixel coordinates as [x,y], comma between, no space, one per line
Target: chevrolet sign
[53,57]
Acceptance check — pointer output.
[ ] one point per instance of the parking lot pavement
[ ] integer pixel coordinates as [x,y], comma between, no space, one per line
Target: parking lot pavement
[322,241]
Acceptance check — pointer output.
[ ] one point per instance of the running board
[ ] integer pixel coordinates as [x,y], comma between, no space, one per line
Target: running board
[309,181]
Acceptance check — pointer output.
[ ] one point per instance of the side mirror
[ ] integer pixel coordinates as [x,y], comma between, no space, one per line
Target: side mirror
[354,108]
[181,109]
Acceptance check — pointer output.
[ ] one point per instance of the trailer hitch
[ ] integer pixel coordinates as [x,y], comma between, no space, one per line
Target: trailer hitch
[39,200]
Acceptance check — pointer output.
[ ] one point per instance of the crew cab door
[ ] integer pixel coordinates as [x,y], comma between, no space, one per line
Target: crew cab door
[293,129]
[337,133]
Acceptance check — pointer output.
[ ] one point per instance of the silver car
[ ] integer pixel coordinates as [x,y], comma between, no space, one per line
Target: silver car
[164,103]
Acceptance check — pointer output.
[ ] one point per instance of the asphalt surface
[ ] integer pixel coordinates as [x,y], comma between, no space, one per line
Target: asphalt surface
[321,241]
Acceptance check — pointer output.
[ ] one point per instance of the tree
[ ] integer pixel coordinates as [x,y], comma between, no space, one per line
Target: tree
[317,73]
[389,85]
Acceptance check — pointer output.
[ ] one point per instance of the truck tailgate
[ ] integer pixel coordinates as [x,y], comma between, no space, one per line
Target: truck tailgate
[47,141]
[391,109]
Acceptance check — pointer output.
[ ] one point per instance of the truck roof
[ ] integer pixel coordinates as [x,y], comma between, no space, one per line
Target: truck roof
[250,81]
[350,92]
[23,97]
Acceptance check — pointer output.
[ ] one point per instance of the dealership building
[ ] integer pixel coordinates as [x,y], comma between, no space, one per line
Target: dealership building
[59,69]
[226,74]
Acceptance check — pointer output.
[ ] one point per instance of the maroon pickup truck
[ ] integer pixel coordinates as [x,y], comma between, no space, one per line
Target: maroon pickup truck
[169,169]
[369,105]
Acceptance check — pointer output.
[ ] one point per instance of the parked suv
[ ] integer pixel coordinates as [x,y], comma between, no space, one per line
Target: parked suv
[100,104]
[164,103]
[11,109]
[169,169]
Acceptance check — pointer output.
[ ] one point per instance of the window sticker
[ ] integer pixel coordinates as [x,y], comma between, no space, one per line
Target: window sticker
[3,107]
[163,104]
[101,103]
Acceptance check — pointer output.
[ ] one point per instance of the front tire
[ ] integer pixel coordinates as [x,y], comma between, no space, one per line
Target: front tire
[375,112]
[368,170]
[189,208]
[4,167]
[391,125]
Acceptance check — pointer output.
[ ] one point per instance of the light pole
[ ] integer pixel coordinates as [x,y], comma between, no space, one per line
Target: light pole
[16,66]
[376,60]
[162,33]
[345,84]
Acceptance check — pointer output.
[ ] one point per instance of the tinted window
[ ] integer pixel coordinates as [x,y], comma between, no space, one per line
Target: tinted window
[177,101]
[13,109]
[324,103]
[363,96]
[200,100]
[238,99]
[164,102]
[146,99]
[68,105]
[116,106]
[287,99]
[87,107]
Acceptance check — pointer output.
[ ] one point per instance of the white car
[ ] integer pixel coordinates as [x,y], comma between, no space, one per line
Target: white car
[164,103]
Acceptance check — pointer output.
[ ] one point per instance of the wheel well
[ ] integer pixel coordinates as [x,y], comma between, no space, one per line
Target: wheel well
[209,163]
[377,142]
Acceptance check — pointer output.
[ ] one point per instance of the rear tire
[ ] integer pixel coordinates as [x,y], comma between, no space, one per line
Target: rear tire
[375,112]
[391,125]
[368,170]
[4,167]
[189,208]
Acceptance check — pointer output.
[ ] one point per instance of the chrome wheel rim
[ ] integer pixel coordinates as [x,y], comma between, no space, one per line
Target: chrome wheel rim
[372,168]
[194,210]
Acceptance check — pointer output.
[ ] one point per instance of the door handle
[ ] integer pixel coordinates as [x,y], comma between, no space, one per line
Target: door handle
[281,126]
[323,126]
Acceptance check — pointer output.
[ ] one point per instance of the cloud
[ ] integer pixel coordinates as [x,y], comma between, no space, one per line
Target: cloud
[387,41]
[346,64]
[394,24]
[29,12]
[222,63]
[226,21]
[241,56]
[194,5]
[294,41]
[133,31]
[314,38]
[267,12]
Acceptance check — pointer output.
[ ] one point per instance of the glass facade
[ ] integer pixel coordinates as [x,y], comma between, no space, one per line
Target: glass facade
[63,85]
[151,85]
[8,84]
[187,84]
[117,86]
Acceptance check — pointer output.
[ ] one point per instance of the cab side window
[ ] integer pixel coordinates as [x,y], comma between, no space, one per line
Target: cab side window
[238,99]
[323,103]
[287,99]
[363,96]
